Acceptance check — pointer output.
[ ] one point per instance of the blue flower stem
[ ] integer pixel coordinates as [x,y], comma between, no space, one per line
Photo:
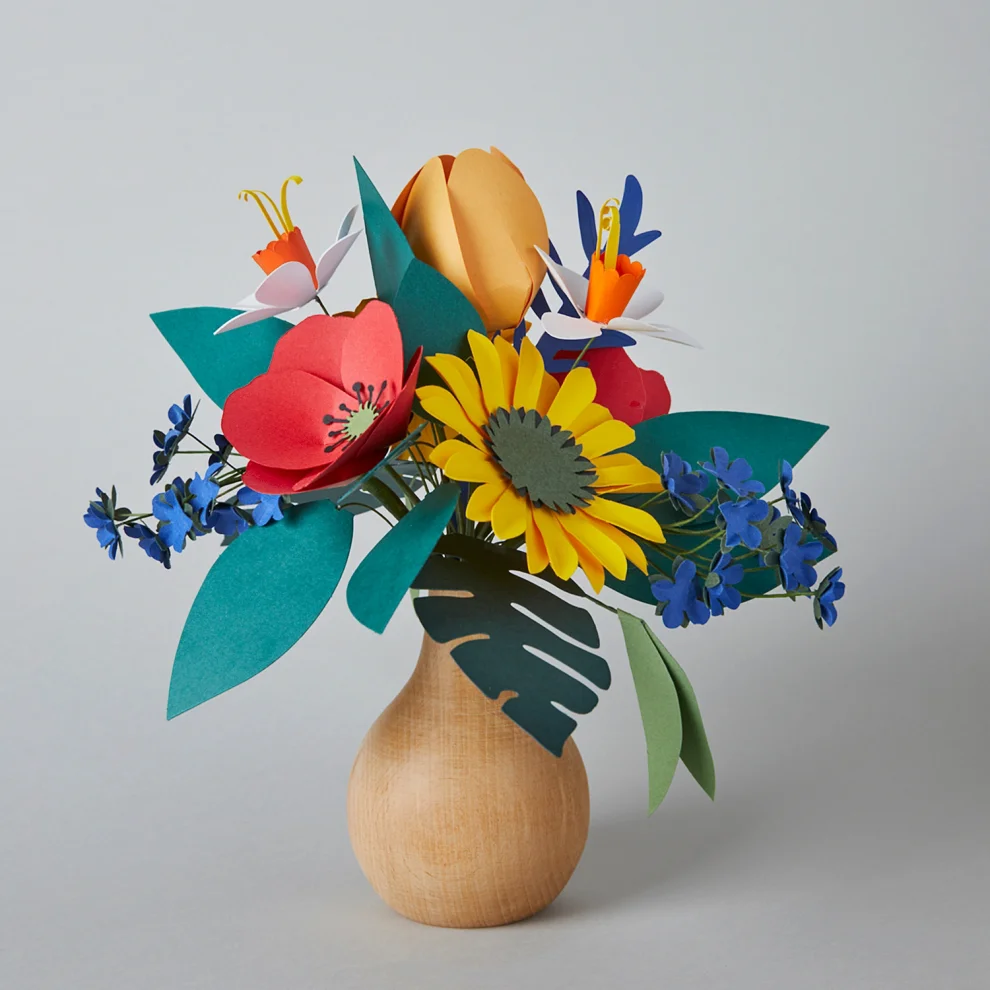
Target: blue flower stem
[687,522]
[203,444]
[782,594]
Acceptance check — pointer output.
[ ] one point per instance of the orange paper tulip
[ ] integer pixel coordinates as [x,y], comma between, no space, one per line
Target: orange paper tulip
[473,218]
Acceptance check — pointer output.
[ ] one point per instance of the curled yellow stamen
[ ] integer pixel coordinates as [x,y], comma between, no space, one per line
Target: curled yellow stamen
[286,219]
[608,223]
[256,194]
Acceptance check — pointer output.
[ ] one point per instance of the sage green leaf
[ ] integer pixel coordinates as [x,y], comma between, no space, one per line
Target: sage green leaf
[659,706]
[219,363]
[387,245]
[262,594]
[695,753]
[519,618]
[382,579]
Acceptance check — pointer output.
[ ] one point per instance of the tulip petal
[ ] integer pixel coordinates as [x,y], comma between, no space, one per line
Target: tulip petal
[250,316]
[656,330]
[289,286]
[573,285]
[645,300]
[333,256]
[562,327]
[277,419]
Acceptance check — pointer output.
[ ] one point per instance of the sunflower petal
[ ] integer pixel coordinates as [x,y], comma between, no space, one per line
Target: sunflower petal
[509,360]
[629,547]
[575,395]
[628,517]
[591,565]
[537,559]
[509,515]
[472,465]
[441,404]
[623,472]
[529,378]
[597,541]
[606,437]
[445,450]
[461,381]
[594,415]
[548,392]
[479,507]
[560,550]
[489,367]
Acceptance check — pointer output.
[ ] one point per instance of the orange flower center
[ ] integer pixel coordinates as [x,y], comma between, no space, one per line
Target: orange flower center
[289,244]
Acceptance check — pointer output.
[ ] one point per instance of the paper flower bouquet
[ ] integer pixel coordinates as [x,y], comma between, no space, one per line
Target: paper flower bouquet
[515,461]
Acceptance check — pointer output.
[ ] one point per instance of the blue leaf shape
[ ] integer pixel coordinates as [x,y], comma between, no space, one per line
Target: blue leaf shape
[630,213]
[262,594]
[587,223]
[219,363]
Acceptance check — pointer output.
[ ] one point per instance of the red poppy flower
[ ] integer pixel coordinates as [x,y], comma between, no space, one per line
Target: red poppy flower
[628,392]
[332,402]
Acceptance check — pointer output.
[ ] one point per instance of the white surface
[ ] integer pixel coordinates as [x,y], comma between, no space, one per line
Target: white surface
[819,172]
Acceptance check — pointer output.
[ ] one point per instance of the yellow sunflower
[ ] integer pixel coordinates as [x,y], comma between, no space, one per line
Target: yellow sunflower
[541,455]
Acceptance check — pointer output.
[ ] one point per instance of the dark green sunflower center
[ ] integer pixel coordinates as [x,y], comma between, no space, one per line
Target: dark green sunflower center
[540,459]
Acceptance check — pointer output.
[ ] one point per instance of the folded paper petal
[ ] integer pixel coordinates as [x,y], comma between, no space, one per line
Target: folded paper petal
[563,327]
[573,285]
[644,302]
[250,316]
[657,330]
[345,225]
[289,286]
[333,256]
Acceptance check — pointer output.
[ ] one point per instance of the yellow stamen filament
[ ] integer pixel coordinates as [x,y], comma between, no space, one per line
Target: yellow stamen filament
[282,214]
[286,219]
[608,223]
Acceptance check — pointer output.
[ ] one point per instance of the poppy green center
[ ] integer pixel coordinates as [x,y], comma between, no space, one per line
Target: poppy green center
[357,418]
[541,460]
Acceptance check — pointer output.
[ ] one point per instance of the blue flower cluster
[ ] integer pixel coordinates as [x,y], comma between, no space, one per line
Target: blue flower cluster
[752,530]
[181,417]
[103,515]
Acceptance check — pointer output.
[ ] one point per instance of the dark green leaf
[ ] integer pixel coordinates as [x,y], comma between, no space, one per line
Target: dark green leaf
[504,660]
[264,591]
[387,245]
[219,363]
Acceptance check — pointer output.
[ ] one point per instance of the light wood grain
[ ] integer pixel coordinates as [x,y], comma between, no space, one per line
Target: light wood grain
[458,817]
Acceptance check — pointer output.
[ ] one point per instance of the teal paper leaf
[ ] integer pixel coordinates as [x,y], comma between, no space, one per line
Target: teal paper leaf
[382,579]
[659,707]
[262,594]
[387,245]
[764,441]
[669,710]
[518,618]
[219,363]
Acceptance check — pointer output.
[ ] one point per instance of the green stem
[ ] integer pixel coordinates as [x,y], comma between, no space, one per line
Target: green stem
[389,500]
[584,350]
[320,301]
[401,482]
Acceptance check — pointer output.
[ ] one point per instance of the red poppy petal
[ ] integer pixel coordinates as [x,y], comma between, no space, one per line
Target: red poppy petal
[313,345]
[372,350]
[657,394]
[278,419]
[271,481]
[619,384]
[393,424]
[346,469]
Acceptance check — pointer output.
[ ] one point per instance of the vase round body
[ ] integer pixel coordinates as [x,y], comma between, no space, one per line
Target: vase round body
[457,816]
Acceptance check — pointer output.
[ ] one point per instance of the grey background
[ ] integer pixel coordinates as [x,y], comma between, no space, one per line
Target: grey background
[820,174]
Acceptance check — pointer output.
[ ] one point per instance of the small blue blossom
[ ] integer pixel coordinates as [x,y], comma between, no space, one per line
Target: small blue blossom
[735,475]
[795,559]
[181,417]
[266,507]
[169,510]
[739,518]
[681,482]
[720,594]
[790,496]
[802,510]
[100,516]
[828,593]
[226,520]
[150,543]
[224,447]
[204,490]
[680,599]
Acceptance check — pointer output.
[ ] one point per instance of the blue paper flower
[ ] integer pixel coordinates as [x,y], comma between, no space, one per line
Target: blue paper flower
[226,520]
[734,475]
[795,559]
[680,599]
[681,482]
[790,496]
[224,447]
[802,510]
[739,518]
[181,417]
[828,593]
[168,508]
[100,516]
[719,592]
[204,490]
[267,507]
[150,543]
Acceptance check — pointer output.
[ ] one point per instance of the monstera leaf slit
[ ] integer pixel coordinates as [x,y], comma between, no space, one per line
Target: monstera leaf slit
[499,640]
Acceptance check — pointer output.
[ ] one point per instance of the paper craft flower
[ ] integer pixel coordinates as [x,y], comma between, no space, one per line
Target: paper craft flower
[542,457]
[332,402]
[680,481]
[100,516]
[680,599]
[739,518]
[150,543]
[168,509]
[473,218]
[736,476]
[609,298]
[719,590]
[293,278]
[795,559]
[266,507]
[829,592]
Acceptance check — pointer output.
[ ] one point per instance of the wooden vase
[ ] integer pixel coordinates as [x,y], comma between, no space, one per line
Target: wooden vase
[457,816]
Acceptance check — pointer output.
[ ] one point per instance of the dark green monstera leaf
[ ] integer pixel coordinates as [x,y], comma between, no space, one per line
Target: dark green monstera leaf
[519,618]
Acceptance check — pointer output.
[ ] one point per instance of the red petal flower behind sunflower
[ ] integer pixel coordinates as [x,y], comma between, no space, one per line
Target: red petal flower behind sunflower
[332,402]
